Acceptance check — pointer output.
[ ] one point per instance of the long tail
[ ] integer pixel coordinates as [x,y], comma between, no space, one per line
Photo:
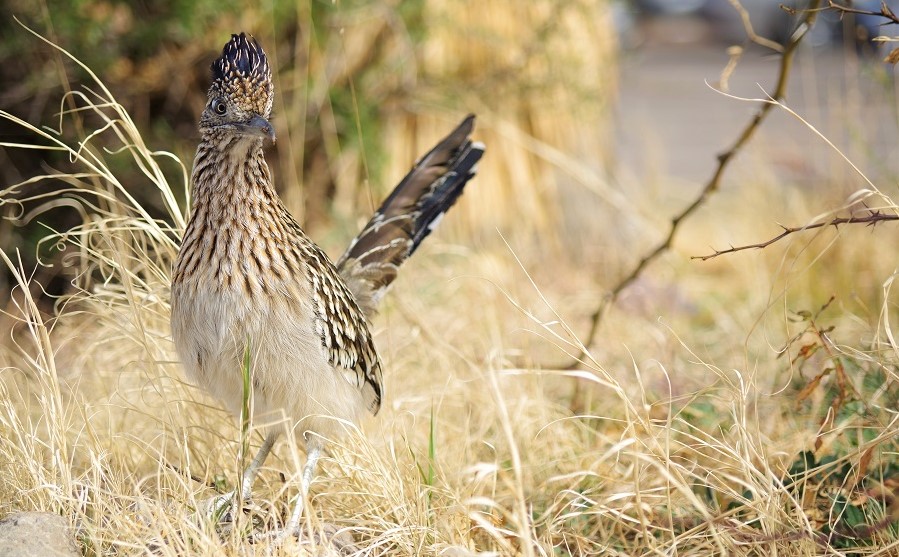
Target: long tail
[408,215]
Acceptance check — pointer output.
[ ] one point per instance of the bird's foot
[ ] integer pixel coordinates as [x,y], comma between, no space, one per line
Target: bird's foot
[324,535]
[220,508]
[275,537]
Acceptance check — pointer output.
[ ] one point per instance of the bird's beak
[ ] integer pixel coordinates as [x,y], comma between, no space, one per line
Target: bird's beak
[258,126]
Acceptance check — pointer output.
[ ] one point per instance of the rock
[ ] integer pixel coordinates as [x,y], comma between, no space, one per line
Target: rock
[35,534]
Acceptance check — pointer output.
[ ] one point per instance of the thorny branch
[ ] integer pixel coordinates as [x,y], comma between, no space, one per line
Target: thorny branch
[884,12]
[870,219]
[712,186]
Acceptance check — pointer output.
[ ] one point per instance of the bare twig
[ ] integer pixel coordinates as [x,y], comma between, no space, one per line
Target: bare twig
[884,12]
[750,32]
[712,186]
[869,219]
[193,477]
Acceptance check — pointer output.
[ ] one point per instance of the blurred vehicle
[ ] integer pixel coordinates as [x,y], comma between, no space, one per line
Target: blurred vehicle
[670,6]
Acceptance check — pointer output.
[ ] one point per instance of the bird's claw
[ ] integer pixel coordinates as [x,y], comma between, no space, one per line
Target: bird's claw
[326,535]
[219,508]
[276,537]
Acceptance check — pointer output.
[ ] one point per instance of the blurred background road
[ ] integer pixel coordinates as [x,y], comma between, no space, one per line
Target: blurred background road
[672,122]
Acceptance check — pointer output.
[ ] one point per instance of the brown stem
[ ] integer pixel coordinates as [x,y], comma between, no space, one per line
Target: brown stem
[884,12]
[870,219]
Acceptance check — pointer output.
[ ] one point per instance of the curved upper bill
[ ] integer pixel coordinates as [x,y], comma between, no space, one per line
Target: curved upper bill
[259,127]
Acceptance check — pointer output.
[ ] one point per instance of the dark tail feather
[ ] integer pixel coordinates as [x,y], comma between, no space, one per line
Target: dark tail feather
[408,215]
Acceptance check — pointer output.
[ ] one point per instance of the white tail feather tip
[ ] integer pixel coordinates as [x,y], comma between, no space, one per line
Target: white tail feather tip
[433,224]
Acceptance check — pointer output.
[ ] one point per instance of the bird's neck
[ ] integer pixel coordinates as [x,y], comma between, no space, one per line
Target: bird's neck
[230,176]
[233,192]
[234,213]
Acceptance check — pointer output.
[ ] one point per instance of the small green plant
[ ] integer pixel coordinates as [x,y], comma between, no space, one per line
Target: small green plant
[428,473]
[842,483]
[246,413]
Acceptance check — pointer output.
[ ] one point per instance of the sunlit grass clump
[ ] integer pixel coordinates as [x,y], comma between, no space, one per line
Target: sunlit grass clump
[729,408]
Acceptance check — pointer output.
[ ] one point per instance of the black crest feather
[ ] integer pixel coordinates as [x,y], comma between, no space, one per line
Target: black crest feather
[241,57]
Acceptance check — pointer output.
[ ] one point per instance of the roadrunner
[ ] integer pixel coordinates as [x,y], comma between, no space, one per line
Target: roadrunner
[248,276]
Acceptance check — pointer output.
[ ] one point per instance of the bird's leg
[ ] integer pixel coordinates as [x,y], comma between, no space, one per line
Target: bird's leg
[249,475]
[223,502]
[312,456]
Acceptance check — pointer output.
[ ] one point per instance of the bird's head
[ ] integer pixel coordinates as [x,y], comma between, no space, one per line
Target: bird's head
[241,95]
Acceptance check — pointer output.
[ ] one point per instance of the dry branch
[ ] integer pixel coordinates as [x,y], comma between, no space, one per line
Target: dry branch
[712,186]
[870,219]
[884,12]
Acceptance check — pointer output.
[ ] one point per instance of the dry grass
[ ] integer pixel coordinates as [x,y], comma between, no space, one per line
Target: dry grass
[692,441]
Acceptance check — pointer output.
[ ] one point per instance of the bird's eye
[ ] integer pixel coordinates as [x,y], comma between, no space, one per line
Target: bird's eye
[219,107]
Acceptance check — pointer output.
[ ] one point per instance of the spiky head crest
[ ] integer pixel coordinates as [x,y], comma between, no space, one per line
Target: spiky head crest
[242,75]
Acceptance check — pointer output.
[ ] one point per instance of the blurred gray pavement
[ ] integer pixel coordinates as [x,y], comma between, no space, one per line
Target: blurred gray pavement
[671,122]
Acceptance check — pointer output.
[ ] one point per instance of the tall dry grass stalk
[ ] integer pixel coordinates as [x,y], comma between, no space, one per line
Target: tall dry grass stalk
[542,76]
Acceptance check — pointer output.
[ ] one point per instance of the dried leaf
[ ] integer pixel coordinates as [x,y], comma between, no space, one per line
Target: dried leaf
[826,426]
[892,57]
[811,386]
[863,463]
